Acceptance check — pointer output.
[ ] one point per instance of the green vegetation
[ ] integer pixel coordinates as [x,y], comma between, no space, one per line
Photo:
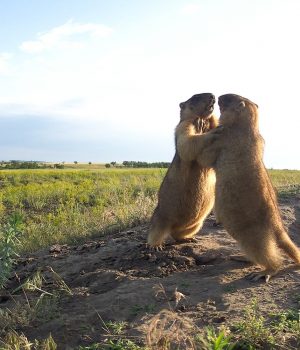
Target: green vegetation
[212,340]
[9,233]
[16,164]
[64,206]
[287,182]
[256,331]
[133,164]
[15,341]
[115,327]
[120,344]
[253,329]
[40,207]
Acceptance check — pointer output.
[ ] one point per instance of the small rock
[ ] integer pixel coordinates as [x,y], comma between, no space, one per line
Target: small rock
[181,260]
[202,260]
[152,258]
[58,248]
[211,307]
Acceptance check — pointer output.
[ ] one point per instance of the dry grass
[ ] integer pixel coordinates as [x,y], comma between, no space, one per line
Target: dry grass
[167,331]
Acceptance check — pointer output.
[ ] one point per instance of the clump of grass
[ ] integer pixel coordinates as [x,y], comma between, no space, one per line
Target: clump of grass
[115,339]
[44,309]
[59,282]
[211,340]
[253,331]
[15,341]
[18,316]
[288,323]
[167,330]
[116,328]
[9,242]
[32,283]
[120,344]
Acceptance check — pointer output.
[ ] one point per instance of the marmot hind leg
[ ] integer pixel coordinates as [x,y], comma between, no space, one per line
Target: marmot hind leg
[186,234]
[266,254]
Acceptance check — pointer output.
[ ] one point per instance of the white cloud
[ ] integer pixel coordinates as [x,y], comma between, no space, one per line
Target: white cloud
[190,9]
[4,59]
[63,36]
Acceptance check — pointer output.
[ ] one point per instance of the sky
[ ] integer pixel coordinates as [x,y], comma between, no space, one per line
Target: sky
[101,81]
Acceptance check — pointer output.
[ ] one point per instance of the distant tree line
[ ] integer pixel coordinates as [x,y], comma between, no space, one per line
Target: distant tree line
[133,164]
[19,164]
[16,164]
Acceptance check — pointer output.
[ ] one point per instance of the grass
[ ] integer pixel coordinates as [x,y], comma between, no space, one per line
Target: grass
[44,307]
[66,206]
[169,330]
[9,242]
[120,344]
[39,208]
[287,182]
[15,341]
[253,330]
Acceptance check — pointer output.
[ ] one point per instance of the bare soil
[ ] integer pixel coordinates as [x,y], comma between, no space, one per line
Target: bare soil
[116,278]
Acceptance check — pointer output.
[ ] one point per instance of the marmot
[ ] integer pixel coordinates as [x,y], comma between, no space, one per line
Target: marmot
[246,202]
[186,195]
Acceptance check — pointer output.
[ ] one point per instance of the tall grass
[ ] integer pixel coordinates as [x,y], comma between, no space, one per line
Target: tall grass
[287,182]
[65,206]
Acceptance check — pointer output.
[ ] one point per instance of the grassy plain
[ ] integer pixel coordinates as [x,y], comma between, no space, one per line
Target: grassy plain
[71,205]
[66,206]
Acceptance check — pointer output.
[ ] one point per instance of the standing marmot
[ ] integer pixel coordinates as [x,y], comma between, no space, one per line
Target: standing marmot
[186,195]
[246,203]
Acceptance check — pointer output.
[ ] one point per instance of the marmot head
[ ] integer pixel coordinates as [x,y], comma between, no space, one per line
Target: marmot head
[239,110]
[198,106]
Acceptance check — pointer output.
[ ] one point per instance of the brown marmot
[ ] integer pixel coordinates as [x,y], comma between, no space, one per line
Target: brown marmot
[186,195]
[246,202]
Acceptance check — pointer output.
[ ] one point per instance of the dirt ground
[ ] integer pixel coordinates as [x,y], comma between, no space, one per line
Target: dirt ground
[116,278]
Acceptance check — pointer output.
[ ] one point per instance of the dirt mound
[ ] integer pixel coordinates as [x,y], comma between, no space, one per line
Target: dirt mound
[117,278]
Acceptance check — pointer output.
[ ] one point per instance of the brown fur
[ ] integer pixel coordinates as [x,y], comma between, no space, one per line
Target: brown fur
[246,202]
[186,195]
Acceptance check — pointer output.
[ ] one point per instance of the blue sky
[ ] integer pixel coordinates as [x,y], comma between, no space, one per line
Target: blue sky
[101,80]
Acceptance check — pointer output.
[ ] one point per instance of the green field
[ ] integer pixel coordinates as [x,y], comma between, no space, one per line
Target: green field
[65,206]
[42,207]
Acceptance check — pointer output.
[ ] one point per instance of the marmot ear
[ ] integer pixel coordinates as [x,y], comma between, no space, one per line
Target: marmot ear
[181,105]
[241,105]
